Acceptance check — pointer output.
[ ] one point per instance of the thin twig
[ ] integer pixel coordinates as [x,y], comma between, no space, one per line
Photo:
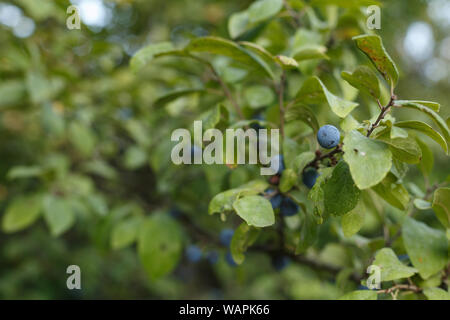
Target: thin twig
[280,91]
[224,86]
[227,92]
[405,287]
[319,156]
[383,113]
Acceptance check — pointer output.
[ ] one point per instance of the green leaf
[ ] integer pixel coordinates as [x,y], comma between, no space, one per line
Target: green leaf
[101,168]
[373,47]
[430,113]
[290,151]
[340,192]
[436,294]
[427,162]
[146,54]
[308,233]
[422,204]
[173,95]
[425,129]
[39,87]
[441,205]
[259,96]
[223,202]
[288,180]
[398,133]
[391,267]
[58,214]
[299,111]
[160,245]
[302,160]
[41,10]
[286,62]
[255,210]
[238,24]
[82,138]
[403,149]
[316,194]
[364,79]
[314,91]
[21,213]
[426,247]
[215,116]
[360,295]
[260,51]
[125,232]
[12,92]
[264,9]
[311,52]
[134,157]
[21,172]
[243,237]
[349,123]
[220,46]
[345,4]
[369,160]
[430,104]
[353,221]
[393,192]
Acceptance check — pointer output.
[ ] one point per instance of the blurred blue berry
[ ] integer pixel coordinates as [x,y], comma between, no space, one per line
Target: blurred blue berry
[194,253]
[288,207]
[230,260]
[275,201]
[280,262]
[225,236]
[212,257]
[175,212]
[403,257]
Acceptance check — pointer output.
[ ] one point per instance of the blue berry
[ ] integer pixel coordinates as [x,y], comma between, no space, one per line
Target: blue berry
[230,260]
[361,287]
[194,253]
[256,125]
[328,136]
[403,257]
[280,262]
[277,162]
[212,256]
[275,201]
[309,177]
[288,207]
[125,113]
[175,212]
[225,236]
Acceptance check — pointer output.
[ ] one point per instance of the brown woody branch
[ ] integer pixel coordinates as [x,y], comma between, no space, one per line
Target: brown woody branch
[384,111]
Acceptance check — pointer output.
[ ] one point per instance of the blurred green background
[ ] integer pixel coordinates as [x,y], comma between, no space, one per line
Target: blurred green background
[74,120]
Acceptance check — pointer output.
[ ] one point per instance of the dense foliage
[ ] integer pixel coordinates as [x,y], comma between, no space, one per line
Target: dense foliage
[86,176]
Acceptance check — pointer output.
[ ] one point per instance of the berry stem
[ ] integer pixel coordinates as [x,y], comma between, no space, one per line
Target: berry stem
[320,157]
